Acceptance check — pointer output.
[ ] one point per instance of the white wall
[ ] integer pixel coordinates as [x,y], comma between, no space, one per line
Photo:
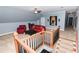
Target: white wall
[11,17]
[11,27]
[60,15]
[38,22]
[78,28]
[42,21]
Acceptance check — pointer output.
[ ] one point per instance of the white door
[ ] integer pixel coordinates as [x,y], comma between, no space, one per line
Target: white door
[43,21]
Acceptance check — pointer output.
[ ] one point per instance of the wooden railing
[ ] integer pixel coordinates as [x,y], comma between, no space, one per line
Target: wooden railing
[23,43]
[29,44]
[51,37]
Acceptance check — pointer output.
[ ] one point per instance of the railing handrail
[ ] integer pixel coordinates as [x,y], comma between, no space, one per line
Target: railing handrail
[25,46]
[30,38]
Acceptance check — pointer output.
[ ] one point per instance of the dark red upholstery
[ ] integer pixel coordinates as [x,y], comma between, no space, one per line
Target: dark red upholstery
[38,28]
[21,29]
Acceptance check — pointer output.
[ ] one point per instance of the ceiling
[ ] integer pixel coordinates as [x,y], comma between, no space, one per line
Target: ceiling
[48,8]
[24,13]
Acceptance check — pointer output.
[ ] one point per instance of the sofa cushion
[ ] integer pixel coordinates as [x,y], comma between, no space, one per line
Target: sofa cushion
[38,28]
[21,29]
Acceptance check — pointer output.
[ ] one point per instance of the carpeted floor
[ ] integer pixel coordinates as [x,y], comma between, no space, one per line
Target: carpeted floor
[7,44]
[68,34]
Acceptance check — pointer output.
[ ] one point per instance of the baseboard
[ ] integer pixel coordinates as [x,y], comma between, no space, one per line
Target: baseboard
[6,33]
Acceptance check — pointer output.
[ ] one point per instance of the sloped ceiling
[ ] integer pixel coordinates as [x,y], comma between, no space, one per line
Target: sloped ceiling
[13,14]
[25,13]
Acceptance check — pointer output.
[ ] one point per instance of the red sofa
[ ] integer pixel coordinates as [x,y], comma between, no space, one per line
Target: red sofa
[38,28]
[21,29]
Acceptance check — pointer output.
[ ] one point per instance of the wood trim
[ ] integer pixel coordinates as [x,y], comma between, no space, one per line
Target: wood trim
[16,45]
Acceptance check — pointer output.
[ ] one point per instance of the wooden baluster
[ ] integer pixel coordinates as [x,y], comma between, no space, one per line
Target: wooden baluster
[43,39]
[35,43]
[32,38]
[30,43]
[16,46]
[27,42]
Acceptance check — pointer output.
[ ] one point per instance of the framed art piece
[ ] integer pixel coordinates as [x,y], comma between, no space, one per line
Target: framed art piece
[53,20]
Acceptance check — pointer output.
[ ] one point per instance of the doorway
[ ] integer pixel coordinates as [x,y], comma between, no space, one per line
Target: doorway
[70,22]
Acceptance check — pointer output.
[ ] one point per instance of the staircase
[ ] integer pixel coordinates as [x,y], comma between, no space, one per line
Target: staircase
[65,46]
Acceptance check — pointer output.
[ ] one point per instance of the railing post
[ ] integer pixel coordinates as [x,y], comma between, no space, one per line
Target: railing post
[43,38]
[51,39]
[16,45]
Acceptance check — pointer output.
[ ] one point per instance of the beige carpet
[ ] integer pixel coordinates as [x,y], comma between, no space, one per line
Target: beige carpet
[68,34]
[7,44]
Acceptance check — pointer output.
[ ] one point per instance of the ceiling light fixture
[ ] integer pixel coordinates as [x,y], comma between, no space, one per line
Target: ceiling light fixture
[35,11]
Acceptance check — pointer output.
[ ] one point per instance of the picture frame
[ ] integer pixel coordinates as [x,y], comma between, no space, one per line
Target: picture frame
[53,20]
